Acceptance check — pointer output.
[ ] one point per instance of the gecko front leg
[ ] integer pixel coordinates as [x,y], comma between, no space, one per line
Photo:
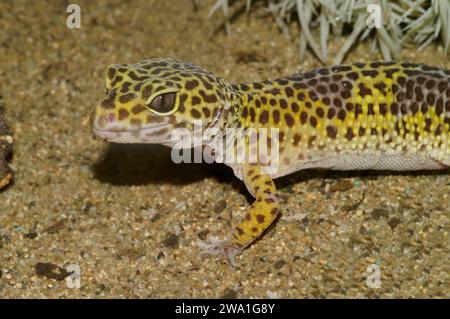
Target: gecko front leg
[260,216]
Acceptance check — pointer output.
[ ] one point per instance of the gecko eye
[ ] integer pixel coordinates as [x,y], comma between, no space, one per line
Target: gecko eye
[163,103]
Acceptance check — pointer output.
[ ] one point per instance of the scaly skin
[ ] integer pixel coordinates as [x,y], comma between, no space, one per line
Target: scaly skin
[378,115]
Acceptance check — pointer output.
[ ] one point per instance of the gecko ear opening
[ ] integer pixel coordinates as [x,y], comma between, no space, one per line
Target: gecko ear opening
[164,103]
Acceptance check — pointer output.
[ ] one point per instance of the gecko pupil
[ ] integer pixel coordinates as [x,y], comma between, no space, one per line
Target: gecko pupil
[163,103]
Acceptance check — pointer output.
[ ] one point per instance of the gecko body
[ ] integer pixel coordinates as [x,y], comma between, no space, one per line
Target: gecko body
[375,115]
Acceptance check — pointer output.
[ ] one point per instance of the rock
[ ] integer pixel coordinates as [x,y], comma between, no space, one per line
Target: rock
[6,147]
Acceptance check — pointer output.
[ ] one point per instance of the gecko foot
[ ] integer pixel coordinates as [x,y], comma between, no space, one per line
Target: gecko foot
[220,247]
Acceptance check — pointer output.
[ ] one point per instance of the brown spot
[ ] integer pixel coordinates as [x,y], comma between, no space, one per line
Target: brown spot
[111,72]
[430,84]
[283,103]
[254,229]
[297,139]
[331,131]
[260,218]
[331,113]
[206,112]
[127,98]
[303,117]
[337,102]
[383,108]
[326,100]
[274,211]
[196,100]
[370,110]
[341,68]
[196,114]
[349,135]
[289,120]
[244,112]
[138,109]
[364,90]
[301,96]
[295,107]
[289,92]
[320,113]
[334,87]
[208,98]
[353,76]
[276,116]
[108,103]
[313,121]
[264,117]
[239,231]
[273,102]
[252,114]
[341,115]
[394,108]
[123,114]
[370,73]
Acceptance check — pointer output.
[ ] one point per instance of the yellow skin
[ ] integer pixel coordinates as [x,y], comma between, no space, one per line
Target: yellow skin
[378,115]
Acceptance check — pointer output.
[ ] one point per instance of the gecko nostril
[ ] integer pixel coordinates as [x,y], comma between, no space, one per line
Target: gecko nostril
[110,118]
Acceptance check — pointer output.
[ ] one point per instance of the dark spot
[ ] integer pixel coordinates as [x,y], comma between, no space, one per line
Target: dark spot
[196,114]
[127,98]
[341,68]
[289,120]
[320,113]
[331,131]
[196,100]
[264,117]
[383,108]
[430,84]
[341,115]
[331,113]
[206,112]
[244,112]
[322,89]
[303,117]
[108,103]
[252,114]
[349,134]
[289,91]
[208,98]
[346,94]
[337,102]
[297,139]
[138,109]
[334,87]
[283,103]
[313,121]
[123,114]
[370,73]
[353,76]
[295,107]
[313,96]
[364,90]
[276,116]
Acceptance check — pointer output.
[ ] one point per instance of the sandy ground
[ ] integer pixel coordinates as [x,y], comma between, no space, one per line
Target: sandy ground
[130,218]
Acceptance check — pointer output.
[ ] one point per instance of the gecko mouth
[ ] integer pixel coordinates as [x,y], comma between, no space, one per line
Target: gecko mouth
[156,133]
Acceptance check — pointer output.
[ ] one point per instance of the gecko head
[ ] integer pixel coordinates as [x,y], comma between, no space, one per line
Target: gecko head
[145,102]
